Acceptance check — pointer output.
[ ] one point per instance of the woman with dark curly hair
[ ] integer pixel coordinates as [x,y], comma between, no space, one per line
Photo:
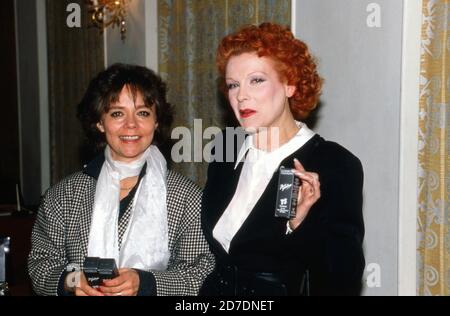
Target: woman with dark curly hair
[125,205]
[272,84]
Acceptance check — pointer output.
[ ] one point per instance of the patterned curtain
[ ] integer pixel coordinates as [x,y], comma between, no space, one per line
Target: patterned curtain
[434,155]
[189,32]
[75,55]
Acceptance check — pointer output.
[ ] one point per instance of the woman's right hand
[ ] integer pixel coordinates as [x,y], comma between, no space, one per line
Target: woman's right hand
[82,287]
[308,193]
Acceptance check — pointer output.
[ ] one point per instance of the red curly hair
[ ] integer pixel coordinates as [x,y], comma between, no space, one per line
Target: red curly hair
[293,62]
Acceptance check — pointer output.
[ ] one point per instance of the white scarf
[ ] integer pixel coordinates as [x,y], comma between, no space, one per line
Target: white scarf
[145,243]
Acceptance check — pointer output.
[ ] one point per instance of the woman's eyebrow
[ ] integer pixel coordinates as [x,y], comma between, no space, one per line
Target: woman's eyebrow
[250,74]
[116,107]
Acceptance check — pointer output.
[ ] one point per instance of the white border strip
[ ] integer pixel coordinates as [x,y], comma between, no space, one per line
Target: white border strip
[44,122]
[151,36]
[412,23]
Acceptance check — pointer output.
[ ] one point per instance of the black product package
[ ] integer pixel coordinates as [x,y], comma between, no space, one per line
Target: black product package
[288,185]
[107,269]
[97,269]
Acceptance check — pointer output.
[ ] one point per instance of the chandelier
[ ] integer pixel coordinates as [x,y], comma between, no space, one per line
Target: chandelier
[109,12]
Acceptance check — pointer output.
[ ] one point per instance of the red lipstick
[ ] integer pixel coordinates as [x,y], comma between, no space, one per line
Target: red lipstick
[246,113]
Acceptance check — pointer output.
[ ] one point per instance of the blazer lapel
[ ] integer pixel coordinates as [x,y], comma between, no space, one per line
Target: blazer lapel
[173,209]
[85,218]
[219,198]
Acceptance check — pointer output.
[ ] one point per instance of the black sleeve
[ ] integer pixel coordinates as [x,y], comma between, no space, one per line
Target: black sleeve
[330,239]
[147,283]
[344,258]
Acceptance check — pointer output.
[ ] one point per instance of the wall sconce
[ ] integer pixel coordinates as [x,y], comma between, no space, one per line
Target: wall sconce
[109,12]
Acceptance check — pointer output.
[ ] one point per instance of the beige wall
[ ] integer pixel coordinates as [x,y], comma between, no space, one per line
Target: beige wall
[361,110]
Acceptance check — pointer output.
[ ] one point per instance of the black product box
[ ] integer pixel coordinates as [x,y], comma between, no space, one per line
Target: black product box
[90,268]
[288,185]
[97,269]
[107,269]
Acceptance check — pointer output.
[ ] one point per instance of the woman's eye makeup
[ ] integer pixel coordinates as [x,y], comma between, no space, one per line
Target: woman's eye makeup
[144,113]
[116,114]
[257,80]
[232,85]
[253,81]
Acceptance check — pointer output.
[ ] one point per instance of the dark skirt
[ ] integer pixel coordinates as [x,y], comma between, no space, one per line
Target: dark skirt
[229,280]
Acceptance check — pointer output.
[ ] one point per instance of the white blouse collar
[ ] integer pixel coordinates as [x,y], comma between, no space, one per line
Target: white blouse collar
[304,131]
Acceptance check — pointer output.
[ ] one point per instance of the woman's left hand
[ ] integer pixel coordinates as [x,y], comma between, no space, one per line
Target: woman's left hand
[308,193]
[126,284]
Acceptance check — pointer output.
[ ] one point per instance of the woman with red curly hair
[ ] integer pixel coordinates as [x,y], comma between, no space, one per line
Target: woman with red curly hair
[272,84]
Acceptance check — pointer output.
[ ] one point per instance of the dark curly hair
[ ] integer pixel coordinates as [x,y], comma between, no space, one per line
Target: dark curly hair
[105,90]
[293,61]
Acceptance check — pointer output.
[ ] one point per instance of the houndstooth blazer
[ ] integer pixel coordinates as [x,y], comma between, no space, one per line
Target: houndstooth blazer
[61,232]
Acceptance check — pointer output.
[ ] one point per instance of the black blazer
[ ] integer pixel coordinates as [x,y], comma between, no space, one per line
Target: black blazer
[328,244]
